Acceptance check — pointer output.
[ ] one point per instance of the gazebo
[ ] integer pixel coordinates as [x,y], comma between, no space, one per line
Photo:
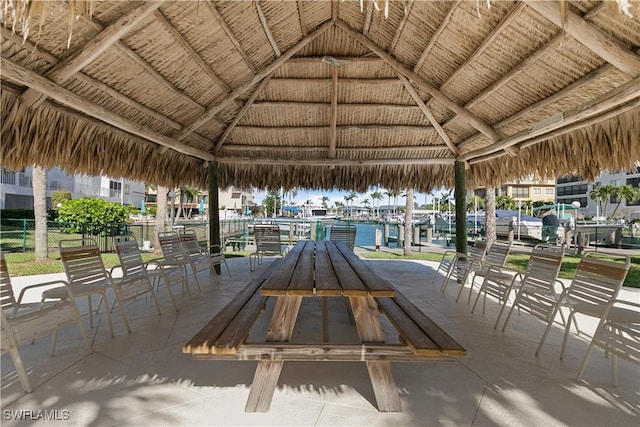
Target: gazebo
[322,94]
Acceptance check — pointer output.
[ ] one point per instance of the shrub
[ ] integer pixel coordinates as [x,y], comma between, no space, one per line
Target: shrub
[93,212]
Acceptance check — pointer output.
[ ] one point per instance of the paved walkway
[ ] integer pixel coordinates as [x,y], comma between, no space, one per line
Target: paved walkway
[143,378]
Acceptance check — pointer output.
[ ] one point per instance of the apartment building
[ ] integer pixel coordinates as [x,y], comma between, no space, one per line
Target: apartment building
[526,188]
[16,189]
[574,188]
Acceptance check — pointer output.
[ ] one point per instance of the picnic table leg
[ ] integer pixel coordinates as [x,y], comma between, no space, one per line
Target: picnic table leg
[367,320]
[267,373]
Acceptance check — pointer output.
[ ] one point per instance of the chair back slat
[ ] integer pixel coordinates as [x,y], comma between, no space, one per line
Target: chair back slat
[597,280]
[267,238]
[498,253]
[7,297]
[82,262]
[544,266]
[344,233]
[130,258]
[189,241]
[171,245]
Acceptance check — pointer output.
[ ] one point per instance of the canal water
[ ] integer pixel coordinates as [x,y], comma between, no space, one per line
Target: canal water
[366,234]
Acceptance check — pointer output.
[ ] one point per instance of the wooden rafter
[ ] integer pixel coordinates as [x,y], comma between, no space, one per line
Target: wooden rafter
[65,97]
[436,35]
[242,112]
[474,120]
[531,59]
[367,18]
[610,100]
[564,130]
[211,112]
[592,37]
[234,40]
[301,17]
[584,80]
[355,81]
[267,30]
[334,10]
[429,115]
[190,51]
[65,69]
[51,59]
[333,116]
[495,33]
[331,162]
[396,37]
[300,104]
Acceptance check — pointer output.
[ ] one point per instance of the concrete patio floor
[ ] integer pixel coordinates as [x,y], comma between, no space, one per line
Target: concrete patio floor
[143,378]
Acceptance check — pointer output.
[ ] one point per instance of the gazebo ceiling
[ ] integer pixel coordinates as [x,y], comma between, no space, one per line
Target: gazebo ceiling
[321,94]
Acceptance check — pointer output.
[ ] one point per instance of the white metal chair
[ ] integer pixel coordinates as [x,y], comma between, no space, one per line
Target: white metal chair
[175,253]
[343,233]
[533,287]
[494,260]
[458,266]
[618,334]
[134,271]
[23,322]
[268,243]
[595,285]
[213,253]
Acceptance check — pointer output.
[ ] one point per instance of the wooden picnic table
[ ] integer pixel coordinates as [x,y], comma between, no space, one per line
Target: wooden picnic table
[322,269]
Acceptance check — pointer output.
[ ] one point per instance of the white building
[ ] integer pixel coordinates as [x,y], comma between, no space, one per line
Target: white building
[16,189]
[574,188]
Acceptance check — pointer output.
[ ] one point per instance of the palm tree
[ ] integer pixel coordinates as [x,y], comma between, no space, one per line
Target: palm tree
[505,202]
[366,203]
[475,202]
[602,194]
[627,193]
[388,194]
[376,195]
[325,199]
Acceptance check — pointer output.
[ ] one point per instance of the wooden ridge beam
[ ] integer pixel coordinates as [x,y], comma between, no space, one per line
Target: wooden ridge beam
[241,113]
[471,118]
[65,97]
[331,162]
[436,35]
[404,128]
[593,38]
[429,115]
[323,148]
[267,30]
[283,104]
[234,40]
[211,112]
[352,81]
[190,51]
[107,37]
[612,99]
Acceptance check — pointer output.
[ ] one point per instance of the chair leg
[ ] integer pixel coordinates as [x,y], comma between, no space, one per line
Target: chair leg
[106,302]
[153,295]
[565,339]
[22,372]
[54,338]
[121,306]
[91,310]
[547,330]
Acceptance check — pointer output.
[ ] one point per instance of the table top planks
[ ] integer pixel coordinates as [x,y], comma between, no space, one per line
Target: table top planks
[327,283]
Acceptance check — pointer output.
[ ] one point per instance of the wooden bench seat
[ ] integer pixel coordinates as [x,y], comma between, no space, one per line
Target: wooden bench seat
[417,330]
[226,332]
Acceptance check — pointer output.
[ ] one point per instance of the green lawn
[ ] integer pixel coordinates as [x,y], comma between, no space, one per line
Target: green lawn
[22,264]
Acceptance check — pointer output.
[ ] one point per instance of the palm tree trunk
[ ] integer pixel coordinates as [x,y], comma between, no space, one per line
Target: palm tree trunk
[490,215]
[408,214]
[40,211]
[161,216]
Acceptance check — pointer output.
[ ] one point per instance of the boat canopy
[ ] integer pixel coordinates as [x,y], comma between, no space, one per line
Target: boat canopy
[501,213]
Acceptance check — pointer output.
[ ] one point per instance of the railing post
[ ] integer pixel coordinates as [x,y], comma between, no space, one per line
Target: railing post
[24,235]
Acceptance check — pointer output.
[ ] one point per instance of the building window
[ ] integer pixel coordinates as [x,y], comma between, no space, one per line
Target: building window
[115,188]
[548,191]
[520,192]
[537,191]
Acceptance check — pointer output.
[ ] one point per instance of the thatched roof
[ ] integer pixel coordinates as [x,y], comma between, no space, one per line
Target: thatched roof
[320,94]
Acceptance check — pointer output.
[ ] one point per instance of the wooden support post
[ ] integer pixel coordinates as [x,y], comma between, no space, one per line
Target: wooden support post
[461,208]
[214,213]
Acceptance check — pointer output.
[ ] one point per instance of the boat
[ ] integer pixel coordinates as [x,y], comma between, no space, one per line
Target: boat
[600,232]
[524,226]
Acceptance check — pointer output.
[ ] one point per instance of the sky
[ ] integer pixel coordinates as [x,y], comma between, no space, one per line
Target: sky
[338,195]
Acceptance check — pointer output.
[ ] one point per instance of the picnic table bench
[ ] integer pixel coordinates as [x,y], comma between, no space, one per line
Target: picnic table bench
[323,269]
